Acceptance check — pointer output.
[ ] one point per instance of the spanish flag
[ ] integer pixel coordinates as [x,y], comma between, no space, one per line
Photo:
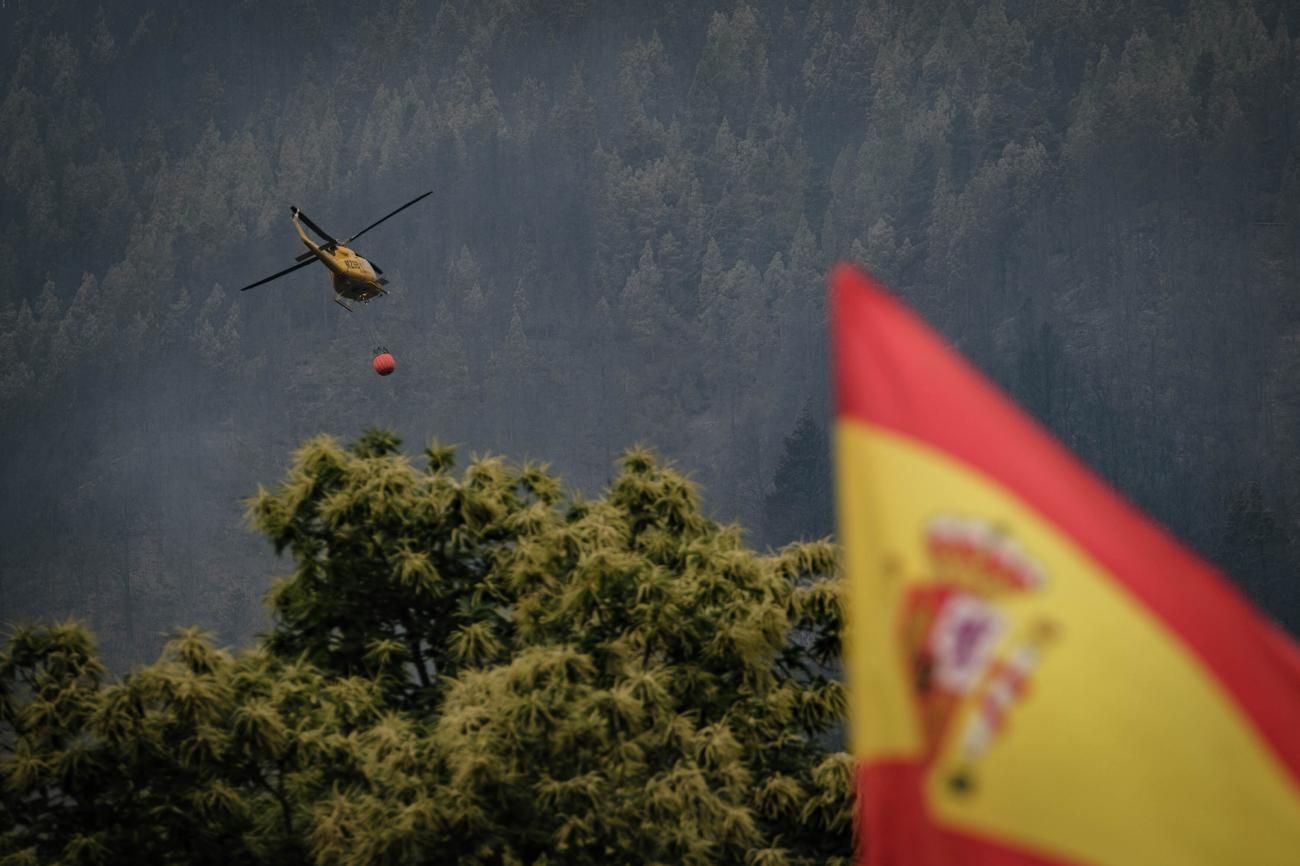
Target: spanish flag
[1039,674]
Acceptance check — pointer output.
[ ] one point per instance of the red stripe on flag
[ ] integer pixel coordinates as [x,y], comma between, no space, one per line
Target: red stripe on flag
[893,371]
[890,795]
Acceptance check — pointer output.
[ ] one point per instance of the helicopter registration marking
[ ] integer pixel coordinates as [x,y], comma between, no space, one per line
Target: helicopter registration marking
[352,264]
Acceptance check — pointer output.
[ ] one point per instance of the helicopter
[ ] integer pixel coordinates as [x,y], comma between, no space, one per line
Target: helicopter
[354,277]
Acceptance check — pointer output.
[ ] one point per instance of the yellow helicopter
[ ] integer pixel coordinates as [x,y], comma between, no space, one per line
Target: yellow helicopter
[354,278]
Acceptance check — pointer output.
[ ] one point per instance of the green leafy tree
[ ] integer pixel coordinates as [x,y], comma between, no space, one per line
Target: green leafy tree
[199,758]
[477,670]
[614,678]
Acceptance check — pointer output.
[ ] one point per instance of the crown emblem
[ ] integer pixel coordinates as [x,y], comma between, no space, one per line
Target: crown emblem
[974,556]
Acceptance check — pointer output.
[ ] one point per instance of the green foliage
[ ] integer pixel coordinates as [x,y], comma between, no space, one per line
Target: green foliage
[198,758]
[474,669]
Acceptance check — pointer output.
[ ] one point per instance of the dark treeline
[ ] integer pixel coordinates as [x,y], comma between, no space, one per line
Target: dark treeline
[635,205]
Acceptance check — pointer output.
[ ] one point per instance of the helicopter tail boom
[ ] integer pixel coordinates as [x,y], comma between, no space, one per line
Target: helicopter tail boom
[312,248]
[299,215]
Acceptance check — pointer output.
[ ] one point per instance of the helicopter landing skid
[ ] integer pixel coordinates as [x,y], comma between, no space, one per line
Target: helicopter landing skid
[343,305]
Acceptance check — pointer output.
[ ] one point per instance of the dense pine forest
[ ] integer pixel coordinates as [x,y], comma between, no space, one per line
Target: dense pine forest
[634,208]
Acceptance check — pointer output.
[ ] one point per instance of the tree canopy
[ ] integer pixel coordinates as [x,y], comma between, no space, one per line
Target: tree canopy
[473,669]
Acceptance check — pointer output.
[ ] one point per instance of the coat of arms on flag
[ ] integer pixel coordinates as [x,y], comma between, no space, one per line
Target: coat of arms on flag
[971,656]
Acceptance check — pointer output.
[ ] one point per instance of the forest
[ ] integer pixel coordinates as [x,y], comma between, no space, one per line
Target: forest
[635,206]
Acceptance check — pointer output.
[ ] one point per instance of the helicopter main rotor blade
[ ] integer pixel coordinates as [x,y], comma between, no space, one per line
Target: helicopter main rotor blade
[394,213]
[277,275]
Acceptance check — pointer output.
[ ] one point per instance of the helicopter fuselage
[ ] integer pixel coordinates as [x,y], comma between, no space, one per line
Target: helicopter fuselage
[353,277]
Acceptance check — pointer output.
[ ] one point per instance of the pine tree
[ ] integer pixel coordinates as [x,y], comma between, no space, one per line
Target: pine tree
[643,306]
[799,506]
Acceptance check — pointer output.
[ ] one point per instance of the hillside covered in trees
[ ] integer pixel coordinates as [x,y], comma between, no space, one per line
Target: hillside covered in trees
[635,207]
